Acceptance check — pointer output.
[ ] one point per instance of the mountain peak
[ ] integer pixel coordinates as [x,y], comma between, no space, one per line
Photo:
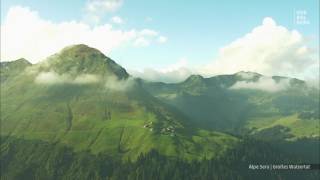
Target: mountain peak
[12,68]
[22,62]
[79,49]
[80,58]
[194,81]
[247,75]
[294,82]
[195,77]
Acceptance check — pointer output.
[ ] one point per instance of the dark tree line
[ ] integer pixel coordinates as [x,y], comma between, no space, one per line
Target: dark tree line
[22,159]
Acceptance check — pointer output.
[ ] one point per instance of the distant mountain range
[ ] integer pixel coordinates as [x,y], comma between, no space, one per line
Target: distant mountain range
[82,99]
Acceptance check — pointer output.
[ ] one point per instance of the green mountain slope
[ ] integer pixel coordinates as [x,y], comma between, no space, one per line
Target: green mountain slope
[11,69]
[79,115]
[242,103]
[81,58]
[82,99]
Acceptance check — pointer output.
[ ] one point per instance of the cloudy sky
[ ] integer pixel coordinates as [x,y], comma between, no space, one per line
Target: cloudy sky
[169,40]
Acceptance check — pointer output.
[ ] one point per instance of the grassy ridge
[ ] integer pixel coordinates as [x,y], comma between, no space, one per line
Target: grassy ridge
[212,103]
[93,118]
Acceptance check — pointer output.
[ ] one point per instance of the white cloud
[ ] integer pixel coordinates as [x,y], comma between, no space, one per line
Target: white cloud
[25,34]
[162,39]
[49,78]
[314,83]
[263,84]
[149,35]
[112,83]
[86,79]
[182,63]
[268,49]
[173,73]
[52,77]
[97,6]
[148,32]
[117,20]
[97,9]
[92,18]
[141,42]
